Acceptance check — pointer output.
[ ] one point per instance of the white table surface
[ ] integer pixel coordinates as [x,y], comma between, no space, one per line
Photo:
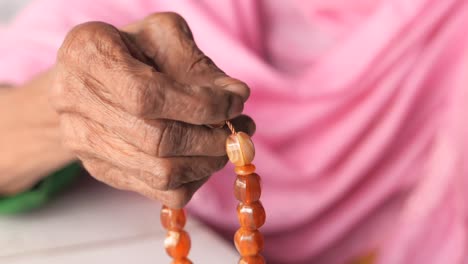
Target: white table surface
[92,223]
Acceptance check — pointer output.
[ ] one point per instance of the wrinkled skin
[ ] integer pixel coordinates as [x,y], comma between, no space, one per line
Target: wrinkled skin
[133,104]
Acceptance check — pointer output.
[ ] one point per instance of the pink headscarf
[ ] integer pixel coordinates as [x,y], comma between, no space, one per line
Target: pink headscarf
[362,128]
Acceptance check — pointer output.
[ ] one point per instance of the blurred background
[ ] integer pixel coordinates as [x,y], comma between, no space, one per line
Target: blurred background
[8,8]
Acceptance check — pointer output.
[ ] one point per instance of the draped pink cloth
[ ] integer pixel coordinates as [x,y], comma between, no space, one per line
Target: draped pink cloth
[361,108]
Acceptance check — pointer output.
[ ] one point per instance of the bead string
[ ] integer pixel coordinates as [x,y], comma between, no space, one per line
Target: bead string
[247,190]
[231,127]
[251,214]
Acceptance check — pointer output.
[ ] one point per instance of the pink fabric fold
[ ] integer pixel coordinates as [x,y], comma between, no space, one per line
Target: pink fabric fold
[360,107]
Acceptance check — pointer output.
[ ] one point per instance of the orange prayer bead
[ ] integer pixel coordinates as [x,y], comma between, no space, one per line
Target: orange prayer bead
[240,149]
[182,261]
[247,189]
[259,259]
[177,244]
[248,242]
[173,219]
[245,170]
[251,216]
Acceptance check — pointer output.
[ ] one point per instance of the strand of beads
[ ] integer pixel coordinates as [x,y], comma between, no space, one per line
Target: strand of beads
[247,189]
[177,242]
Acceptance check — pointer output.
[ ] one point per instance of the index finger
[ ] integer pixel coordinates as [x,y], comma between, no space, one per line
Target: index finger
[157,96]
[167,40]
[100,60]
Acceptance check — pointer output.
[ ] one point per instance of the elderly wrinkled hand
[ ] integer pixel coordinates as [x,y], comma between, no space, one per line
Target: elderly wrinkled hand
[133,104]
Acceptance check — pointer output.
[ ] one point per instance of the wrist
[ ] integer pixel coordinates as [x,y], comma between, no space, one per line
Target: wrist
[30,135]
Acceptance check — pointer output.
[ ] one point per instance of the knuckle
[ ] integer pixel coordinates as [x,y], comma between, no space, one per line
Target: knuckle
[245,89]
[202,65]
[150,136]
[203,105]
[94,31]
[144,96]
[86,31]
[213,104]
[167,19]
[86,40]
[79,35]
[240,88]
[136,103]
[137,98]
[173,139]
[169,22]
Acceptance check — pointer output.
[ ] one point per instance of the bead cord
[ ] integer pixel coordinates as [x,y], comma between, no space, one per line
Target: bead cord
[231,127]
[251,214]
[247,190]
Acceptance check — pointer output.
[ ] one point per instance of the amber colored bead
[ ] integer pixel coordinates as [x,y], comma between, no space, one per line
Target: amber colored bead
[173,219]
[182,261]
[259,259]
[177,244]
[240,149]
[245,170]
[247,189]
[248,242]
[251,216]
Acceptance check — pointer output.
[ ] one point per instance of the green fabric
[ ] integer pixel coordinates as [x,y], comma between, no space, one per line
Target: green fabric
[40,194]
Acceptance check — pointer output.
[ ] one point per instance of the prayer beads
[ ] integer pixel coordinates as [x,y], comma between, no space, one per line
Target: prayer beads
[251,214]
[177,242]
[247,190]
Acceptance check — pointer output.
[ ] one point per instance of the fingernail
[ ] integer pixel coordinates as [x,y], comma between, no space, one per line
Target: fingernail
[233,85]
[237,106]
